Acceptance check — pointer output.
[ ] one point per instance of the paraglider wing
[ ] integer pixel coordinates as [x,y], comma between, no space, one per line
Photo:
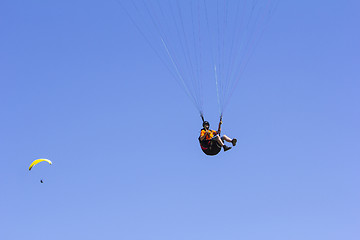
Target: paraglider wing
[38,161]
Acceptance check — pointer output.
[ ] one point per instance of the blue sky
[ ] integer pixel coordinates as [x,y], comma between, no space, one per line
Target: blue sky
[80,86]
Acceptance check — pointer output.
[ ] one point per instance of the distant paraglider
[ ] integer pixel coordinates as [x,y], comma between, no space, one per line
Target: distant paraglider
[37,161]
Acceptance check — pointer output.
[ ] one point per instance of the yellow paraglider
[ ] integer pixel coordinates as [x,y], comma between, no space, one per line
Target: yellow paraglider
[38,161]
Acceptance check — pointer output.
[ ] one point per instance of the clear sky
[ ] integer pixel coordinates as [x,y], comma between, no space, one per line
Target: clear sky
[80,86]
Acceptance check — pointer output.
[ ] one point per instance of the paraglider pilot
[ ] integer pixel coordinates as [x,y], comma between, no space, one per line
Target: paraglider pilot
[210,140]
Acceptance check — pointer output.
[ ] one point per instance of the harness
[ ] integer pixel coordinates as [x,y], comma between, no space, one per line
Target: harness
[209,147]
[207,142]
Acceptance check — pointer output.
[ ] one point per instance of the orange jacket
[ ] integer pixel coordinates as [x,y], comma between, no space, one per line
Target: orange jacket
[208,136]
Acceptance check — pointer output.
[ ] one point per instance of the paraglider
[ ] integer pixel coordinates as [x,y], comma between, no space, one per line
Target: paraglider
[37,161]
[199,41]
[211,142]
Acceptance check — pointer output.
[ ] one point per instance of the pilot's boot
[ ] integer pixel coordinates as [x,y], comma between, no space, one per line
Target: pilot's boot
[226,148]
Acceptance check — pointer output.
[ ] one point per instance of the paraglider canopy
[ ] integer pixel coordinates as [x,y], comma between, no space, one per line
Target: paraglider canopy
[38,161]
